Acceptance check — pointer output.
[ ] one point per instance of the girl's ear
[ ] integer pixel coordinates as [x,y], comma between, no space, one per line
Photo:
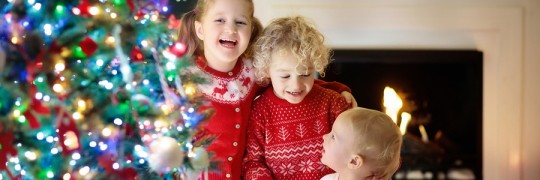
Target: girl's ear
[199,30]
[355,162]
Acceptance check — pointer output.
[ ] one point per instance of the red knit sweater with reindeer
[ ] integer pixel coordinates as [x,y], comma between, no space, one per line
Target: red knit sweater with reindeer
[231,95]
[285,140]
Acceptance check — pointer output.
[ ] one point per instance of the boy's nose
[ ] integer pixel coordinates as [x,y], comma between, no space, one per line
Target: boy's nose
[295,83]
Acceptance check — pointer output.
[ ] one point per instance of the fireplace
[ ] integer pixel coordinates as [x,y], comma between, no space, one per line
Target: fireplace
[441,90]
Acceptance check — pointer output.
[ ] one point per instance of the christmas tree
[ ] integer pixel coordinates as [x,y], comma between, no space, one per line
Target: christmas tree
[94,89]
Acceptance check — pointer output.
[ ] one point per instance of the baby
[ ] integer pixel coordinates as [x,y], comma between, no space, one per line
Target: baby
[363,144]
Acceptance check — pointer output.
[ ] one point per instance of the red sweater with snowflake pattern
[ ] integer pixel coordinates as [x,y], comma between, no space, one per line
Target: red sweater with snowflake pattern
[285,140]
[231,95]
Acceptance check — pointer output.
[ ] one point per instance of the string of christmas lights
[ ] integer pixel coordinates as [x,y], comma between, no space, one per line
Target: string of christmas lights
[94,89]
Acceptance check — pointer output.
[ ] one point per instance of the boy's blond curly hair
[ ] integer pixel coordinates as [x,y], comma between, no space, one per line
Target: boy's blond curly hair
[296,36]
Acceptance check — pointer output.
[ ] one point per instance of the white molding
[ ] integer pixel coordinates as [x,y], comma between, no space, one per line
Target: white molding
[496,31]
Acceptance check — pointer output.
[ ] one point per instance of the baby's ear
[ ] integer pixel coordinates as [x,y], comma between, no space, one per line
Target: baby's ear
[356,162]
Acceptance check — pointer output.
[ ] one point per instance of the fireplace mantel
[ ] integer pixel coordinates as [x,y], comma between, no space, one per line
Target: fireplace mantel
[497,31]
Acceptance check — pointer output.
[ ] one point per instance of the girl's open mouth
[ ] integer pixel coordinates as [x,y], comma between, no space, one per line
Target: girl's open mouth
[227,42]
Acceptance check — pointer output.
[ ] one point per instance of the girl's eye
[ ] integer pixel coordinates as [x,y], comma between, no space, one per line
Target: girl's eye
[332,136]
[219,20]
[305,75]
[285,77]
[241,22]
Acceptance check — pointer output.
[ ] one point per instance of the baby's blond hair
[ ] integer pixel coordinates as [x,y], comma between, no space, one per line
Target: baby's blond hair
[296,36]
[377,140]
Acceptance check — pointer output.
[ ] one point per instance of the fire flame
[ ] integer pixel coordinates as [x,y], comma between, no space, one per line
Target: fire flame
[392,103]
[405,118]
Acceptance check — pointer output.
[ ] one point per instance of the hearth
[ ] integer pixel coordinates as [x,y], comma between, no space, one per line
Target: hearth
[441,92]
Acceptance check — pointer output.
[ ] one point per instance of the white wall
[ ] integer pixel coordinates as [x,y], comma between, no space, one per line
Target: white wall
[531,111]
[506,31]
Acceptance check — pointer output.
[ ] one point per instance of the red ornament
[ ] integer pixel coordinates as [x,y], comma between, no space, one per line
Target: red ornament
[131,5]
[68,133]
[136,55]
[178,49]
[6,148]
[129,130]
[88,46]
[82,9]
[55,48]
[174,23]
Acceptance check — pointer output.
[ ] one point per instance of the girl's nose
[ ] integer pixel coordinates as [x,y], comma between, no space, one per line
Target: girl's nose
[231,28]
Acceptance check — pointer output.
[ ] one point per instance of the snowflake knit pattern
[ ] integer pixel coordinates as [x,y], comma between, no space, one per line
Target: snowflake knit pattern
[285,140]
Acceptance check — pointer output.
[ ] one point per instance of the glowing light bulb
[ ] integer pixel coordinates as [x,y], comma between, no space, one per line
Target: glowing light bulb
[154,17]
[60,66]
[47,29]
[190,89]
[14,40]
[110,40]
[144,43]
[30,155]
[50,174]
[106,132]
[76,11]
[76,156]
[118,121]
[84,171]
[21,119]
[100,62]
[54,151]
[66,176]
[116,166]
[39,95]
[16,113]
[81,105]
[114,15]
[37,6]
[165,108]
[93,11]
[40,136]
[58,88]
[170,66]
[72,141]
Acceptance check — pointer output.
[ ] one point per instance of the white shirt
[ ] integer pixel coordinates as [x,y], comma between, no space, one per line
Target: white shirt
[334,176]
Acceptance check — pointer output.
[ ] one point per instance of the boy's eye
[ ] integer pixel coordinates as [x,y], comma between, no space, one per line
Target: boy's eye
[285,77]
[219,20]
[332,136]
[305,75]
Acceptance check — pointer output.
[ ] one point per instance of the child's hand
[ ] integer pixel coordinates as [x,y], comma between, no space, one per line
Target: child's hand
[349,98]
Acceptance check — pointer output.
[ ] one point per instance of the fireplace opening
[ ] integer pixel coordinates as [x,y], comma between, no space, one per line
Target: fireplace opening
[441,94]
